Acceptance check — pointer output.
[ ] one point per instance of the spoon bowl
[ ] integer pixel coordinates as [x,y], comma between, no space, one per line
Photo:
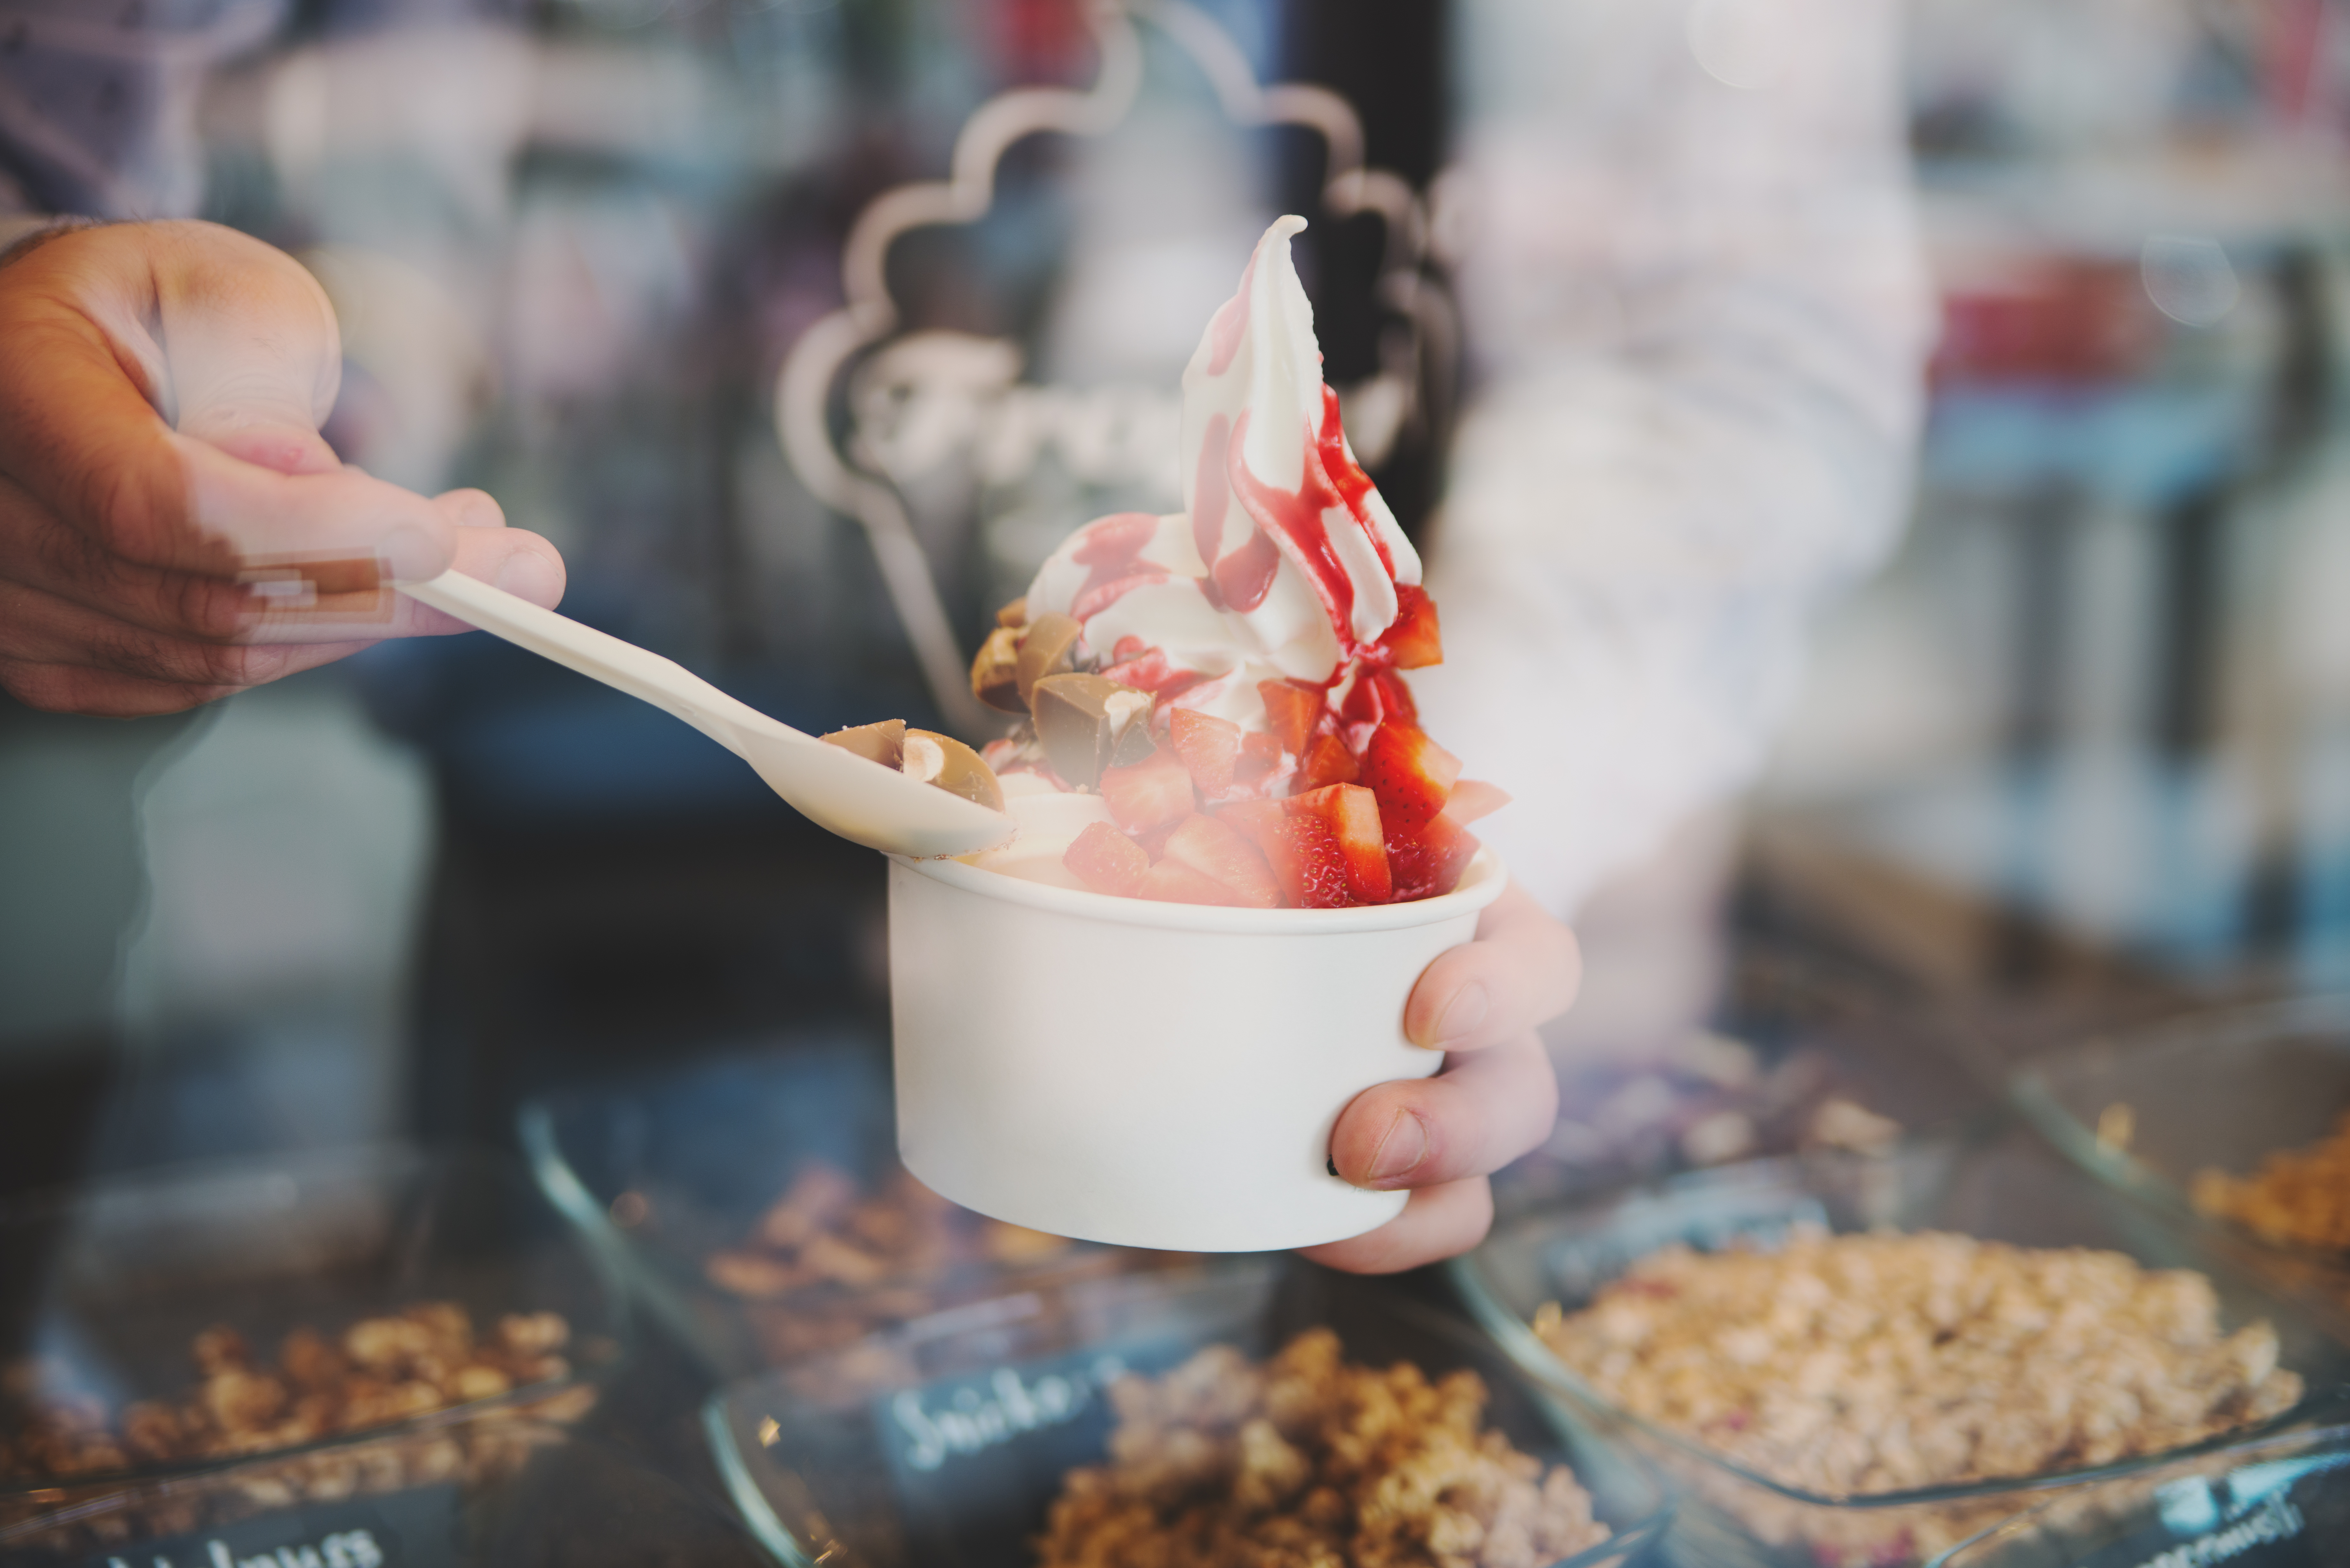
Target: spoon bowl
[859,799]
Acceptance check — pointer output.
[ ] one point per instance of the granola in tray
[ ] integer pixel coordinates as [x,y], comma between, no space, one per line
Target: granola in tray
[381,1372]
[1310,1461]
[1848,1366]
[2298,1198]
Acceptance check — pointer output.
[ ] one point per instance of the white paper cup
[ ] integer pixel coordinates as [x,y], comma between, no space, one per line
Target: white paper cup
[1151,1075]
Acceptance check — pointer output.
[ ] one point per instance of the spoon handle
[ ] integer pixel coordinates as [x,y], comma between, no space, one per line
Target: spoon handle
[662,682]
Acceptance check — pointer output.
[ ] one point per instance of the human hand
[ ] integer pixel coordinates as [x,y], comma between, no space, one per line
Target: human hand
[173,529]
[1494,1099]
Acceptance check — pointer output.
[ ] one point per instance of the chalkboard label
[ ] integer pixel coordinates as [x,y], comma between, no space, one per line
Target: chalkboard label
[2273,1534]
[416,1529]
[2292,1512]
[974,1461]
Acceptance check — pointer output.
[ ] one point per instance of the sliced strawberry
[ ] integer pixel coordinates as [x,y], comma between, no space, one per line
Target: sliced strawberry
[1353,814]
[1411,774]
[1307,864]
[1290,711]
[1377,696]
[1216,848]
[1149,793]
[1260,757]
[1328,762]
[1412,640]
[1254,817]
[1132,647]
[1430,862]
[1394,696]
[1473,798]
[1154,839]
[1174,882]
[1208,746]
[1107,860]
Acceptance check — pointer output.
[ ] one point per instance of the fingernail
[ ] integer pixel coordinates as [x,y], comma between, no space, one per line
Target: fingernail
[1399,1153]
[1462,1014]
[527,576]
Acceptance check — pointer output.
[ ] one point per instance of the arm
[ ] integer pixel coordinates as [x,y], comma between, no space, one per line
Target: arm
[1704,317]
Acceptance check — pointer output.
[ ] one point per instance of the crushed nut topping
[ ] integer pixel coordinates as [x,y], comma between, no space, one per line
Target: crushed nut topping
[830,1262]
[1860,1363]
[381,1370]
[2298,1198]
[1308,1461]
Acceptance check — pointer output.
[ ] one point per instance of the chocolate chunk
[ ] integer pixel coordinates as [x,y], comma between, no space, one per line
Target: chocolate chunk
[924,755]
[884,742]
[1014,614]
[995,673]
[1133,741]
[1048,647]
[1090,723]
[943,761]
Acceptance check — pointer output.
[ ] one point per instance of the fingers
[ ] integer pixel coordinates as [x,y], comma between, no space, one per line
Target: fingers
[103,331]
[145,568]
[522,563]
[1523,969]
[1440,1222]
[107,694]
[59,689]
[1481,1112]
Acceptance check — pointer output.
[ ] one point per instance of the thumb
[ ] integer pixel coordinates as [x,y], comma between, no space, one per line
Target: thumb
[251,355]
[102,330]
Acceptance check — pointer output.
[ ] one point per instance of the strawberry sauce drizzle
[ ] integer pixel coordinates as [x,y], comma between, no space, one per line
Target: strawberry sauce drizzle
[1113,548]
[1298,518]
[1346,475]
[1230,325]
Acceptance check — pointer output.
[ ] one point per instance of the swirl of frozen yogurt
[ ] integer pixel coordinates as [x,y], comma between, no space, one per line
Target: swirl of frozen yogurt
[1283,564]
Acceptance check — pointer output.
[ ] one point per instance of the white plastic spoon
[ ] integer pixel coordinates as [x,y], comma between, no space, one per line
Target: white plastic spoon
[857,798]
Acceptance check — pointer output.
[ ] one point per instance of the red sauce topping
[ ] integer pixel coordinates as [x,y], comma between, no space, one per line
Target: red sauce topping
[1243,577]
[1346,477]
[1296,517]
[1224,333]
[1113,548]
[1150,670]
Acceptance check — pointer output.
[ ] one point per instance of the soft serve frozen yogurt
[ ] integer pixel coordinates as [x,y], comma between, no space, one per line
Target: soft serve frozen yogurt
[1211,703]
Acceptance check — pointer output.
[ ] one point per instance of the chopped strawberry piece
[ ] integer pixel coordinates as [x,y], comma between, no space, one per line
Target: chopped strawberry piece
[1328,762]
[1107,860]
[1216,848]
[1208,745]
[1307,864]
[1290,711]
[1394,696]
[1254,817]
[1154,839]
[1174,882]
[1377,696]
[1411,774]
[1149,793]
[1473,798]
[1131,647]
[1430,862]
[1412,640]
[1353,814]
[1260,756]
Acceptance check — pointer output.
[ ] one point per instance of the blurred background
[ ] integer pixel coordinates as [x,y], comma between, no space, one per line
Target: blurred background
[2082,748]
